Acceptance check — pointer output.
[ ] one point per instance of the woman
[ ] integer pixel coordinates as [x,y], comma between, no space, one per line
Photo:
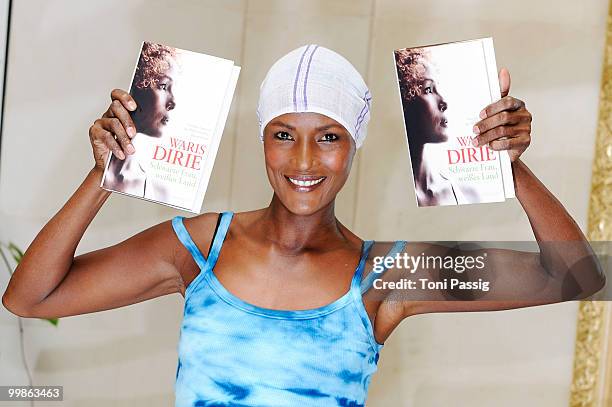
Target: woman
[426,122]
[152,92]
[274,312]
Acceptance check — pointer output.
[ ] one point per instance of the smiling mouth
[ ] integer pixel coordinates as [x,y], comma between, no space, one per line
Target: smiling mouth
[444,123]
[165,120]
[304,183]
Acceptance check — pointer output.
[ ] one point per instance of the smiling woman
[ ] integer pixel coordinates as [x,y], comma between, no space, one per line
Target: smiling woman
[275,306]
[307,152]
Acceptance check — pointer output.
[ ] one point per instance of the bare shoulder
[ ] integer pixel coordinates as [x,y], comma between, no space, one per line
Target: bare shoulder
[201,229]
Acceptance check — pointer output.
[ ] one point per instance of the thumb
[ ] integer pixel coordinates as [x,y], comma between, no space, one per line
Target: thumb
[504,82]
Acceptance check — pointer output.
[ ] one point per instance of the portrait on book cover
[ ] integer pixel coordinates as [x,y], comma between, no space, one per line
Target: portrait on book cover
[152,89]
[443,88]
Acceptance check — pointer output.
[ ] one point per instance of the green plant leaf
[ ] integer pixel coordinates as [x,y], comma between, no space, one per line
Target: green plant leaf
[5,260]
[15,252]
[52,321]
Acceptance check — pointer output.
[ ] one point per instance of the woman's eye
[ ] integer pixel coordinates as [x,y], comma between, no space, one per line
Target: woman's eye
[163,86]
[427,90]
[283,135]
[329,137]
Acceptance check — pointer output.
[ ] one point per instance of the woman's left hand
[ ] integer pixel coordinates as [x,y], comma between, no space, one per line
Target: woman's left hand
[505,124]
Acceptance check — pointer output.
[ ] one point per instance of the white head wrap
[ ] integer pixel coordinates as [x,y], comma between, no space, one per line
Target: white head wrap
[315,79]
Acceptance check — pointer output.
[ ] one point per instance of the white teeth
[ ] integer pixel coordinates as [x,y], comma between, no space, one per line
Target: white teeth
[305,183]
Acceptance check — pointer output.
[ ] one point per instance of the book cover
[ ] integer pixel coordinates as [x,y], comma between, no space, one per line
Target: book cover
[183,100]
[443,88]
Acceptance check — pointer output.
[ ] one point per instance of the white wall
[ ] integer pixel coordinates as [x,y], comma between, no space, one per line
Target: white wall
[66,56]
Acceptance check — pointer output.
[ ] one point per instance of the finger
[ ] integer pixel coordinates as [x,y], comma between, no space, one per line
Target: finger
[505,103]
[125,98]
[112,145]
[521,142]
[504,82]
[493,134]
[100,136]
[108,113]
[501,132]
[116,128]
[504,118]
[124,117]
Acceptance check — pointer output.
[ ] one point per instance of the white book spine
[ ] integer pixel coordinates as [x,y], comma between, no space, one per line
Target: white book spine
[214,146]
[506,165]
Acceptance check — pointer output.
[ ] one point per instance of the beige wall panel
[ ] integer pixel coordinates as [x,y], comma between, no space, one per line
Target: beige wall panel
[554,53]
[65,58]
[83,59]
[542,74]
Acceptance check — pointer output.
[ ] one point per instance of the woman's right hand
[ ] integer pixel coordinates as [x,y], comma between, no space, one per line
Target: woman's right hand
[114,130]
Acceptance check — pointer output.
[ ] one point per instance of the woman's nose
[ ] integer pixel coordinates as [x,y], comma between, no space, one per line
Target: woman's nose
[170,103]
[442,105]
[304,157]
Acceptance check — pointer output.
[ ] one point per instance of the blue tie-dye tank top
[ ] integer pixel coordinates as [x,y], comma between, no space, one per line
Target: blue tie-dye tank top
[233,353]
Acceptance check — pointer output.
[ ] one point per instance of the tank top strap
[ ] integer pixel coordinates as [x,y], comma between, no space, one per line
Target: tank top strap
[367,282]
[187,241]
[213,255]
[365,250]
[204,264]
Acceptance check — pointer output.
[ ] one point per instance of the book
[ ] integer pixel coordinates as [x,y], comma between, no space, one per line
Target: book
[442,89]
[183,100]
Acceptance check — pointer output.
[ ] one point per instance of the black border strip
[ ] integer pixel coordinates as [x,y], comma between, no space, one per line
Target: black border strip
[6,60]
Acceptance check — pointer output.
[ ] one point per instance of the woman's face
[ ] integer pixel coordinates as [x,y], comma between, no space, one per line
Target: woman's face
[155,103]
[425,116]
[308,160]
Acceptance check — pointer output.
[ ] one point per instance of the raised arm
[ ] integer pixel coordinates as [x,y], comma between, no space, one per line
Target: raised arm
[563,269]
[51,282]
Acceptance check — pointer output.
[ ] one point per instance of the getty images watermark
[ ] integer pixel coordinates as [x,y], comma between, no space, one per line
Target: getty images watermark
[413,264]
[543,271]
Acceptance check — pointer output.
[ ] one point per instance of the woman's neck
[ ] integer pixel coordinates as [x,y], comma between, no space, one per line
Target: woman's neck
[419,169]
[295,233]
